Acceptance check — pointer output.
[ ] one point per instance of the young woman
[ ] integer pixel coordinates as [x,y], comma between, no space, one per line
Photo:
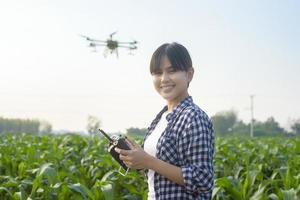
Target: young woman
[179,146]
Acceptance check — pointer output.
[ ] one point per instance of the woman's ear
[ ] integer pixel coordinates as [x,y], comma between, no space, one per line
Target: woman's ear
[190,74]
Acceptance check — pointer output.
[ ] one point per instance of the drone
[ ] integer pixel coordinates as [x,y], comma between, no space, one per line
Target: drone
[110,44]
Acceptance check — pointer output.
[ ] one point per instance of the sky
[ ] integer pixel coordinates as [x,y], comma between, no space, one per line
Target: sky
[238,48]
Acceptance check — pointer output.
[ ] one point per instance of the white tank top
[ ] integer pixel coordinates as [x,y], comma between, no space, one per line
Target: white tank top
[150,148]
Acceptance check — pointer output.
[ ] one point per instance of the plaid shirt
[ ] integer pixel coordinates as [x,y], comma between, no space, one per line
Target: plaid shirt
[187,142]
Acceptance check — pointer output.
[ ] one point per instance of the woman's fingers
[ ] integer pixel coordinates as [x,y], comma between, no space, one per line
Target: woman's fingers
[123,151]
[131,146]
[132,143]
[124,158]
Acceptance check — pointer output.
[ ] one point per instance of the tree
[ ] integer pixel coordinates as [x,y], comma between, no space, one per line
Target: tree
[132,131]
[240,128]
[296,127]
[45,127]
[93,124]
[224,121]
[269,127]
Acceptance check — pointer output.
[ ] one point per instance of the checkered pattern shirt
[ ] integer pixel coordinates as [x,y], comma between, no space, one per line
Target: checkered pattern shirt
[187,142]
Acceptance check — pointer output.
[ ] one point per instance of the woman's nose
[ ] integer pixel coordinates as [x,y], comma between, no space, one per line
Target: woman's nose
[164,76]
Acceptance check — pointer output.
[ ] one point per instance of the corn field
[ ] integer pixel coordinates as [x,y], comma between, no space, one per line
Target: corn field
[79,167]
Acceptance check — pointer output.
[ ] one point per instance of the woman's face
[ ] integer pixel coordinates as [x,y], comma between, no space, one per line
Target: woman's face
[171,84]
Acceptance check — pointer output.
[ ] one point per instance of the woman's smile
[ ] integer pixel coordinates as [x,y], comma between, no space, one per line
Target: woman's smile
[167,88]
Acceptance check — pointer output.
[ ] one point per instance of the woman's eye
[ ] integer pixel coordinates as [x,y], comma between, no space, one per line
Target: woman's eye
[157,73]
[172,70]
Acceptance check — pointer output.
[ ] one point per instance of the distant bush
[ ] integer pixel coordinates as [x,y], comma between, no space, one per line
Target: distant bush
[136,132]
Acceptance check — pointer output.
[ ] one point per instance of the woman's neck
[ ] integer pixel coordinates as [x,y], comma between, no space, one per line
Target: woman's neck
[172,104]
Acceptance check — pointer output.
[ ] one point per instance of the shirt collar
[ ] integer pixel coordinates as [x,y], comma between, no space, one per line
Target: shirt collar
[184,103]
[171,116]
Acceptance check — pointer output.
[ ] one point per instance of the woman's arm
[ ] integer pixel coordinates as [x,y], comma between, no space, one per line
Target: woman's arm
[167,170]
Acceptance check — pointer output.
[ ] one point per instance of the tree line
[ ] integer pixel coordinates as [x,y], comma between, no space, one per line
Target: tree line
[24,126]
[226,123]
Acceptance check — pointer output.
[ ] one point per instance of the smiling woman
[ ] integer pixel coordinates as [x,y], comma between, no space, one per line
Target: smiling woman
[179,145]
[172,72]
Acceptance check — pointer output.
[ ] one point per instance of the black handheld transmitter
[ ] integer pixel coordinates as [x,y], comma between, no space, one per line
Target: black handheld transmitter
[119,142]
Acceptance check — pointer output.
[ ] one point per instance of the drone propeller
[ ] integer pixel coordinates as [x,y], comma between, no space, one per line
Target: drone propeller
[112,34]
[86,37]
[92,44]
[134,42]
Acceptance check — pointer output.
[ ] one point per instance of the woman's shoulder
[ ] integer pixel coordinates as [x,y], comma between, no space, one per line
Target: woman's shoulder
[194,111]
[196,122]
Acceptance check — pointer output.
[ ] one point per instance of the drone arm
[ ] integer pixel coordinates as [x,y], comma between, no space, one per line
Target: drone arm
[98,41]
[96,44]
[132,43]
[128,46]
[125,42]
[91,39]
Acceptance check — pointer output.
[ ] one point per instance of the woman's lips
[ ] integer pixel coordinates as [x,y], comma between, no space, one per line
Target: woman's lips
[167,88]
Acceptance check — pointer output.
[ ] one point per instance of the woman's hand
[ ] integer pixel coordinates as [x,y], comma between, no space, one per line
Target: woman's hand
[136,158]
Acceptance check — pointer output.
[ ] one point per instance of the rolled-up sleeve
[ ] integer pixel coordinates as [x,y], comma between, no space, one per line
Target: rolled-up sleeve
[196,147]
